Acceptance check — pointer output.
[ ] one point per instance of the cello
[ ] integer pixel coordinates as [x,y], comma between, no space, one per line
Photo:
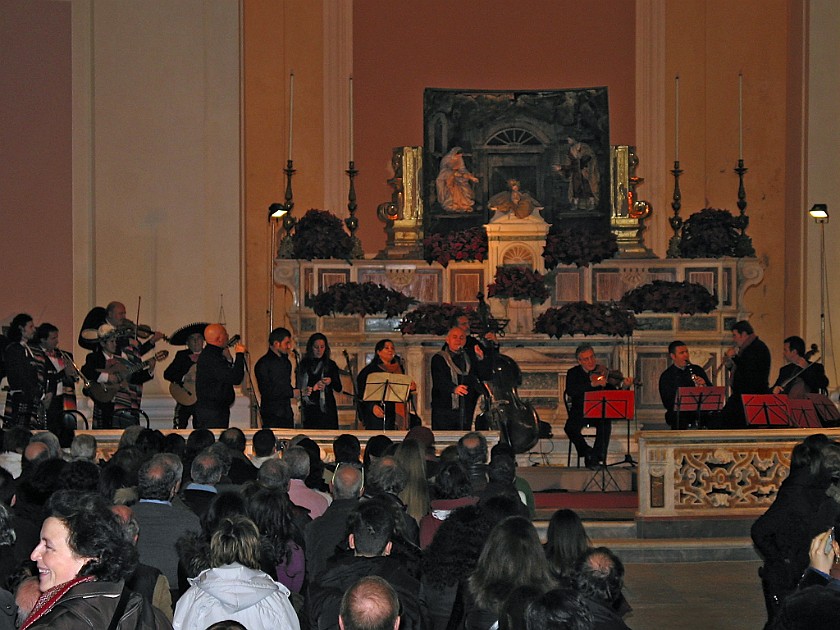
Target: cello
[503,409]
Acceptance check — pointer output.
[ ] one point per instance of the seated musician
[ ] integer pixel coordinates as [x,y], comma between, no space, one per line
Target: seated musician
[588,376]
[799,376]
[455,387]
[681,373]
[375,415]
[123,371]
[182,372]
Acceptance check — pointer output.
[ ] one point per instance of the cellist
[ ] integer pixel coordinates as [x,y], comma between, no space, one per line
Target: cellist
[799,376]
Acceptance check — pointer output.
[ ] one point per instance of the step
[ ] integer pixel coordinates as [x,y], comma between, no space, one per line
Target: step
[680,549]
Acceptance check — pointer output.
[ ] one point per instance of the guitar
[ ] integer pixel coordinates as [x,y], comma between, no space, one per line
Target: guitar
[106,392]
[184,393]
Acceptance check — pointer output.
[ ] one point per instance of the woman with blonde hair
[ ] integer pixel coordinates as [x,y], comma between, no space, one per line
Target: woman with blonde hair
[410,455]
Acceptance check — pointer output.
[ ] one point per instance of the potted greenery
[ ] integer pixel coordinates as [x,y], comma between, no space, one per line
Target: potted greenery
[320,234]
[713,233]
[519,283]
[354,298]
[433,319]
[458,246]
[582,318]
[661,296]
[568,246]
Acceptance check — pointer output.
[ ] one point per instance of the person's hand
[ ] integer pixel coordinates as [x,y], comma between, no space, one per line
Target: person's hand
[113,377]
[413,386]
[151,362]
[307,391]
[325,381]
[479,353]
[461,390]
[157,336]
[778,390]
[731,352]
[378,411]
[821,560]
[240,347]
[628,382]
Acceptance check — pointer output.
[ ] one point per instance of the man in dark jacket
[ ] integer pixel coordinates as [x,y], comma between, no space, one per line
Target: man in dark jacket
[750,359]
[217,372]
[599,578]
[371,527]
[274,377]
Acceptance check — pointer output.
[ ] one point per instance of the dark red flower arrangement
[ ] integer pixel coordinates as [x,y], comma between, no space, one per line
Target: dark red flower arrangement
[519,283]
[433,319]
[460,246]
[366,298]
[582,318]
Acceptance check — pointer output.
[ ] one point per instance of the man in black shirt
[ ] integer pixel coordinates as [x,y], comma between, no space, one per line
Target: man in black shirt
[681,373]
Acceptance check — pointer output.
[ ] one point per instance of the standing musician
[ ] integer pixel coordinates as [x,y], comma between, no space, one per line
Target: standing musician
[319,378]
[588,376]
[182,371]
[750,359]
[375,417]
[107,365]
[60,378]
[274,378]
[681,373]
[799,376]
[25,375]
[455,387]
[216,374]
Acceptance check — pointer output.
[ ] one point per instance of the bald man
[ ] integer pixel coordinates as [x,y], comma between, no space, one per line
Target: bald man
[455,387]
[217,372]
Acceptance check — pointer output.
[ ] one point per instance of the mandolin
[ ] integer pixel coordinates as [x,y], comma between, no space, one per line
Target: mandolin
[106,392]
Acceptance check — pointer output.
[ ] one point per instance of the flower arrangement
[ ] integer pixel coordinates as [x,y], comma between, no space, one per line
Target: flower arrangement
[366,298]
[569,246]
[713,233]
[660,296]
[458,246]
[319,234]
[433,319]
[519,283]
[601,318]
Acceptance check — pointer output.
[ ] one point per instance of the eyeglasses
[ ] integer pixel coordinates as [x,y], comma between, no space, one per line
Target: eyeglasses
[358,467]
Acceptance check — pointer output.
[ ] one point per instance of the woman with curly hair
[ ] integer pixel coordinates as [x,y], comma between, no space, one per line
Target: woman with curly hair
[281,543]
[83,558]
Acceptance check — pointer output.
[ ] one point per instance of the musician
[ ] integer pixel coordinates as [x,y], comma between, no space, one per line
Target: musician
[59,382]
[681,373]
[374,416]
[107,365]
[750,359]
[455,387]
[24,374]
[588,376]
[182,371]
[274,377]
[799,376]
[318,380]
[115,315]
[216,374]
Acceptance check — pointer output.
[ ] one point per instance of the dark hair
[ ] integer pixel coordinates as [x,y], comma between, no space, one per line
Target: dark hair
[156,480]
[743,327]
[309,355]
[150,441]
[584,347]
[797,344]
[227,624]
[7,487]
[129,458]
[94,532]
[7,530]
[512,613]
[476,454]
[502,469]
[512,556]
[372,525]
[347,449]
[271,511]
[672,347]
[278,334]
[264,442]
[274,475]
[811,608]
[15,438]
[234,439]
[315,478]
[452,481]
[43,331]
[375,447]
[566,541]
[198,440]
[809,454]
[381,344]
[599,575]
[387,475]
[206,468]
[176,444]
[16,326]
[223,505]
[80,475]
[559,609]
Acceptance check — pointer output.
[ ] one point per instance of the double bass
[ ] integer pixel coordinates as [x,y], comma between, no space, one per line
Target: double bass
[504,410]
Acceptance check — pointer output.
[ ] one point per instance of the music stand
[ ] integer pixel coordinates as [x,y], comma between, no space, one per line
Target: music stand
[802,413]
[698,399]
[385,387]
[606,406]
[826,410]
[766,410]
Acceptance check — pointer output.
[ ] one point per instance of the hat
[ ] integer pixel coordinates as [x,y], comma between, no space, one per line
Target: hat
[180,336]
[89,334]
[105,331]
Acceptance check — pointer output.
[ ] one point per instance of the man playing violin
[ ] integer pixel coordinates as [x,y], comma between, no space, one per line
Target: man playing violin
[681,373]
[127,330]
[107,365]
[588,376]
[799,376]
[750,360]
[217,372]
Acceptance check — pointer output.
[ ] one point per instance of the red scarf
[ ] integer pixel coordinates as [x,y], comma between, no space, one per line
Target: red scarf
[49,599]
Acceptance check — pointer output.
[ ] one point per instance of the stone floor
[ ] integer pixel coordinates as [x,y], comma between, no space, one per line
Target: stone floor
[696,595]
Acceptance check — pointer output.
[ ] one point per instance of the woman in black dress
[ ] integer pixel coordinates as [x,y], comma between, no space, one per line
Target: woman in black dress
[393,415]
[318,379]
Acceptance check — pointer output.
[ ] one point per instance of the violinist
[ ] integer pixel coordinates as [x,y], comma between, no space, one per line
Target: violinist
[799,376]
[216,374]
[319,378]
[127,331]
[274,377]
[374,415]
[681,373]
[750,360]
[588,376]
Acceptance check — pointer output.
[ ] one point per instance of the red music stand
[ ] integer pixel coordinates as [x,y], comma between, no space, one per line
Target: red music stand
[698,399]
[606,406]
[802,413]
[769,411]
[826,410]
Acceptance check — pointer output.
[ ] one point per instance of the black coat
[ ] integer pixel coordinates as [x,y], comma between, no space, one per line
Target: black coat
[215,377]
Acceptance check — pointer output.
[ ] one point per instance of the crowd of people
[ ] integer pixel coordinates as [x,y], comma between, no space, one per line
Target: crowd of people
[193,533]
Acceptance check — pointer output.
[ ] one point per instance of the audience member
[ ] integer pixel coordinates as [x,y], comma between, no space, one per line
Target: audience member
[347,449]
[522,485]
[206,473]
[242,469]
[281,550]
[565,542]
[15,440]
[265,447]
[599,578]
[370,604]
[415,494]
[386,481]
[83,447]
[82,475]
[297,460]
[452,490]
[374,449]
[559,609]
[472,451]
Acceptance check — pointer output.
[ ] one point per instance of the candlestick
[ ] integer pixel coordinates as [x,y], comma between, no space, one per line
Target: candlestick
[351,118]
[740,116]
[677,118]
[291,110]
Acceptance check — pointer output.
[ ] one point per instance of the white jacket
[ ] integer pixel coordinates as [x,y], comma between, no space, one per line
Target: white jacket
[235,592]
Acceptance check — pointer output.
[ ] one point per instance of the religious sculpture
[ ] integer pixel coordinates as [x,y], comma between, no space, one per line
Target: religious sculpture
[454,183]
[581,168]
[513,201]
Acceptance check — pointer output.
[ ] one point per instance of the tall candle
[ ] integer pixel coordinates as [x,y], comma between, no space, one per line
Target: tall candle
[740,116]
[291,110]
[351,118]
[677,118]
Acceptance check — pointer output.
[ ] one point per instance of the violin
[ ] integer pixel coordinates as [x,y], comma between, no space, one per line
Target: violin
[128,329]
[603,376]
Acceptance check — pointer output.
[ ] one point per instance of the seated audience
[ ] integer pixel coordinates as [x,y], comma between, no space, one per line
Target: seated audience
[265,446]
[370,604]
[565,542]
[560,609]
[242,469]
[281,549]
[599,578]
[206,473]
[452,490]
[297,460]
